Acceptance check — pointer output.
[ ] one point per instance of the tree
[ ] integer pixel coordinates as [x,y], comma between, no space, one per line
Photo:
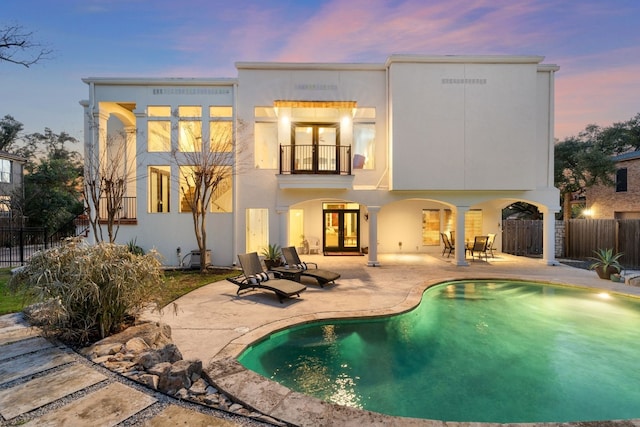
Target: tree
[581,162]
[206,171]
[107,174]
[10,130]
[52,181]
[18,47]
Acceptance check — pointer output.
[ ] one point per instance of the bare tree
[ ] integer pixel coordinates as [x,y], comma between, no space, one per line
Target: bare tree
[17,46]
[108,172]
[206,172]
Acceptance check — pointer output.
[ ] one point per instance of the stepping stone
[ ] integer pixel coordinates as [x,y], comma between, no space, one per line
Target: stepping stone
[18,333]
[18,348]
[175,416]
[38,392]
[105,407]
[34,363]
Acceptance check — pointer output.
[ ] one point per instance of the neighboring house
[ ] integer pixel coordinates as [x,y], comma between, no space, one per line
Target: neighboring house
[338,157]
[11,179]
[622,201]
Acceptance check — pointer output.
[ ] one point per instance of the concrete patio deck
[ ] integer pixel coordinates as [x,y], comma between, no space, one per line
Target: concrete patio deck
[214,325]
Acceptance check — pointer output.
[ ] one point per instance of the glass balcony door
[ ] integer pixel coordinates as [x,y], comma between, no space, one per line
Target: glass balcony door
[315,148]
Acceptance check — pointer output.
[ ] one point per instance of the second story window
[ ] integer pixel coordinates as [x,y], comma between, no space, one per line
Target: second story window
[621,180]
[5,170]
[159,128]
[190,128]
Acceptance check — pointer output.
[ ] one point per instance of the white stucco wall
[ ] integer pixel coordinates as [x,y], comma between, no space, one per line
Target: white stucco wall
[464,126]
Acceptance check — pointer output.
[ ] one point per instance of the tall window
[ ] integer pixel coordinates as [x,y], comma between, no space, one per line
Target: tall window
[431,227]
[5,170]
[257,231]
[266,145]
[159,177]
[190,128]
[621,180]
[222,197]
[364,137]
[221,129]
[159,128]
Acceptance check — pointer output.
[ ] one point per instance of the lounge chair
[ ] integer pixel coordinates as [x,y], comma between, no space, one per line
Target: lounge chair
[479,247]
[254,277]
[293,261]
[448,246]
[490,242]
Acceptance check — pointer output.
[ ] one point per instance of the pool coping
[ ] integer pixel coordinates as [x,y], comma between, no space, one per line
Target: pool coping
[295,408]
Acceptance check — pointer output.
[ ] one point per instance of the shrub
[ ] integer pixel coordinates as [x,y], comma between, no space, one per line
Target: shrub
[87,292]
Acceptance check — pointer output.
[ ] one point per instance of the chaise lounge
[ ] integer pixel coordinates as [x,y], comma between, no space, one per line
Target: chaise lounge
[254,277]
[293,261]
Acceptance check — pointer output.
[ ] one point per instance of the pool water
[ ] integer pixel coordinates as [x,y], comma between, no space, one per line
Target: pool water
[485,351]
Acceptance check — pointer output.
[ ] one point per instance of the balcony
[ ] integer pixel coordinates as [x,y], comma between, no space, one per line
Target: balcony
[315,166]
[127,213]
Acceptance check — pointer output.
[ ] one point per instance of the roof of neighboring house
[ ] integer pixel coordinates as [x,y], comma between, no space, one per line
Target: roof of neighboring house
[633,155]
[14,157]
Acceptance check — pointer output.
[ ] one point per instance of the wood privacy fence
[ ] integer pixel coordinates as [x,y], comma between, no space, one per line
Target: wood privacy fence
[524,237]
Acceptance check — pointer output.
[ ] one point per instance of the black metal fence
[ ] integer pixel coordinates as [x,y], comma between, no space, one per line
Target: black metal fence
[17,245]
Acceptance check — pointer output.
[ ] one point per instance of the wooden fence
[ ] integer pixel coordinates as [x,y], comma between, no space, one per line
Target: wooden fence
[524,237]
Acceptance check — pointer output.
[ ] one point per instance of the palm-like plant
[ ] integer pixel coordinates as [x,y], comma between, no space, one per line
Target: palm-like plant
[606,262]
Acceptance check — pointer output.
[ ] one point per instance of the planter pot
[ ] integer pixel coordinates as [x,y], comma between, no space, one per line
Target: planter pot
[605,274]
[271,263]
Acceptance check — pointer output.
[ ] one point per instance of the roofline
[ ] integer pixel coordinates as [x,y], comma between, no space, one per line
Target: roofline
[173,81]
[466,59]
[15,157]
[332,66]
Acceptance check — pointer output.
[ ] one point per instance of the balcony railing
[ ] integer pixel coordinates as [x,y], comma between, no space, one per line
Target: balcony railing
[315,159]
[128,211]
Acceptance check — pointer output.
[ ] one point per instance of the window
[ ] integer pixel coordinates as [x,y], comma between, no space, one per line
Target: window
[222,197]
[158,111]
[266,145]
[5,206]
[472,224]
[364,136]
[431,227]
[190,128]
[159,189]
[220,137]
[5,170]
[257,231]
[621,180]
[159,136]
[223,111]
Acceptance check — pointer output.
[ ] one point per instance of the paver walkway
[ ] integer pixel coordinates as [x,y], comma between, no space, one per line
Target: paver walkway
[42,384]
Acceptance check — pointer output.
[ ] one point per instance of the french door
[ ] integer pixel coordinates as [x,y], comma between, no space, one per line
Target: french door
[341,230]
[315,148]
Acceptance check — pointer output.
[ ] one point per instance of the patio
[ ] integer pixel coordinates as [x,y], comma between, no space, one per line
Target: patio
[214,325]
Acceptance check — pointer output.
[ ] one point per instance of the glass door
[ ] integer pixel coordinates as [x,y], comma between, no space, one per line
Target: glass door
[341,230]
[315,148]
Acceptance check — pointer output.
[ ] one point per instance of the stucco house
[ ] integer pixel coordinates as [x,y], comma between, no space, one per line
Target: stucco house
[11,181]
[337,157]
[622,201]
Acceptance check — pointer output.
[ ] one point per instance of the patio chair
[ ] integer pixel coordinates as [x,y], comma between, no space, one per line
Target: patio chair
[448,246]
[292,259]
[254,277]
[479,247]
[490,242]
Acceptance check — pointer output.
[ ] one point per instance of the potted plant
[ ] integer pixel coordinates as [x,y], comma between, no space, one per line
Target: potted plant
[606,263]
[272,256]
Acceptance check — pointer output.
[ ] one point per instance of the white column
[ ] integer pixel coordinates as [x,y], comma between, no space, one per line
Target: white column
[373,236]
[460,232]
[549,237]
[283,223]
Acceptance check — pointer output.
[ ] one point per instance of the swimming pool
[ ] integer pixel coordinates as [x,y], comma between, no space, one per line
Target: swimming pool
[486,351]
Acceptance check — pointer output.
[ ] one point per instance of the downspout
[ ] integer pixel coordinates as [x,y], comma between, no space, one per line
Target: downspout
[234,216]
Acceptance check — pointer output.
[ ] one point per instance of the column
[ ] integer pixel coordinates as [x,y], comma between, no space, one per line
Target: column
[549,236]
[373,236]
[460,233]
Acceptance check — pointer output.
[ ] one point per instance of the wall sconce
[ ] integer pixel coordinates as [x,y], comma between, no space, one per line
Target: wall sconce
[366,217]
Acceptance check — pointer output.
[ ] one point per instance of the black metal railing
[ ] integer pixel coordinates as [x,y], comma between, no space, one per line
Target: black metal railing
[315,159]
[127,211]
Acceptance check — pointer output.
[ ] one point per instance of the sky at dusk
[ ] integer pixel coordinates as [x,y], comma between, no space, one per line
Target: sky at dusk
[596,43]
